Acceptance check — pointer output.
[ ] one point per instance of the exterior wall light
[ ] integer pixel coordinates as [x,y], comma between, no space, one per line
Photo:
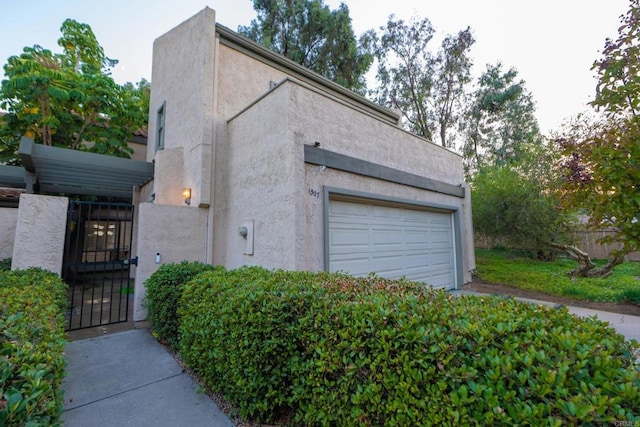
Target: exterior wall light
[186,194]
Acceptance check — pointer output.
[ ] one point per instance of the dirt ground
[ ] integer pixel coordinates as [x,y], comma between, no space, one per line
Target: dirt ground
[477,285]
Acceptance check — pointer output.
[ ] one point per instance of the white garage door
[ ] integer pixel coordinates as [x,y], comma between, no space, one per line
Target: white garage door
[392,242]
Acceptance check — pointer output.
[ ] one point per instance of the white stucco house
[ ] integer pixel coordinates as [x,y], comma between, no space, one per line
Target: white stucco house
[286,169]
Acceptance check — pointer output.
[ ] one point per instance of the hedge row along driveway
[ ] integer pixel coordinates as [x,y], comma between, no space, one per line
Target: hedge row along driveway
[329,349]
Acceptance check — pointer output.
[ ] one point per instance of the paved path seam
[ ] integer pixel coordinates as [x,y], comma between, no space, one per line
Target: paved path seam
[124,392]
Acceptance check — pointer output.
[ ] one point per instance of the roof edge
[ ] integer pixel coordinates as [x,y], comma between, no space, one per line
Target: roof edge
[234,40]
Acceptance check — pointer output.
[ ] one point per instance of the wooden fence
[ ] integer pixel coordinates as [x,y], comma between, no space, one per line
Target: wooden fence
[586,240]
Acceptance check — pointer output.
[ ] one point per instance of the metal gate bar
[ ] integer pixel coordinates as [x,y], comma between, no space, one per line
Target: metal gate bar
[97,263]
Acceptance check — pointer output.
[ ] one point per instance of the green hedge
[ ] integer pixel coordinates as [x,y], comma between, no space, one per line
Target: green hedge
[163,290]
[5,264]
[32,340]
[238,332]
[320,349]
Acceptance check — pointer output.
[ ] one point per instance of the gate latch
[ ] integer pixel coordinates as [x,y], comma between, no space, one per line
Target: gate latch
[130,261]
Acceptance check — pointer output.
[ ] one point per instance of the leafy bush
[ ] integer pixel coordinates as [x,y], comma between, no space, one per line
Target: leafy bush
[238,333]
[32,340]
[328,349]
[163,289]
[514,208]
[5,264]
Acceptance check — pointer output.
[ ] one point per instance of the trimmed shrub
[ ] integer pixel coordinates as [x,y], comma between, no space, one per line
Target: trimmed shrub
[237,332]
[163,289]
[427,360]
[5,264]
[328,349]
[32,340]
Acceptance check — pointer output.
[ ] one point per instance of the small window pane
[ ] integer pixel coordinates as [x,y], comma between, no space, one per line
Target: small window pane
[160,128]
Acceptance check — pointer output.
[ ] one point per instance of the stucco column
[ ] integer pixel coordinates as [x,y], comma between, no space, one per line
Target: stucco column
[40,233]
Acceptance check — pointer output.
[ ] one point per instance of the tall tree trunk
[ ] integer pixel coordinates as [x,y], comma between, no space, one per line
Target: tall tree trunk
[45,111]
[586,267]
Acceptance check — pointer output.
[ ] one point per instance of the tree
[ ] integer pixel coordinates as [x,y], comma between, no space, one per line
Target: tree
[312,35]
[426,87]
[69,99]
[602,167]
[500,121]
[513,203]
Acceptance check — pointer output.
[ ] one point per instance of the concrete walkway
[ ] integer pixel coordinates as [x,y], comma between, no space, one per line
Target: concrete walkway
[626,325]
[128,379]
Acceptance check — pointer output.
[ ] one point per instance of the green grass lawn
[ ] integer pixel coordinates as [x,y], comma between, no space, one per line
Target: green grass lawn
[516,269]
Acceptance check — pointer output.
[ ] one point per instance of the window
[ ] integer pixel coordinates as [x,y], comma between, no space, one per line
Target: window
[160,127]
[106,240]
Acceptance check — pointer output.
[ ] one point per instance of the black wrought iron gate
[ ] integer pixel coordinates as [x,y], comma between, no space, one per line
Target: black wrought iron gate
[97,263]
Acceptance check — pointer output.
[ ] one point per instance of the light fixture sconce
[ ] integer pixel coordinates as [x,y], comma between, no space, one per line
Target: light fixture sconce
[186,194]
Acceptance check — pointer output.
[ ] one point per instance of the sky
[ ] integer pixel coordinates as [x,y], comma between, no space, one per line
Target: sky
[552,43]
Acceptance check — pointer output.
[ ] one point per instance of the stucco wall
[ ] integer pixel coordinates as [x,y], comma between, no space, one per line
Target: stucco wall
[178,233]
[242,79]
[260,169]
[268,181]
[40,232]
[467,234]
[139,151]
[8,219]
[168,184]
[182,75]
[339,128]
[344,130]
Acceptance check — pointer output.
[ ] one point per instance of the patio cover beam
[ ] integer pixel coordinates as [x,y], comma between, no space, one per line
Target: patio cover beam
[61,170]
[12,176]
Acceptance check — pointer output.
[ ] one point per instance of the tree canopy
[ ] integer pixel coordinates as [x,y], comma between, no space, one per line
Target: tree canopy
[514,204]
[426,86]
[311,34]
[500,121]
[69,99]
[602,161]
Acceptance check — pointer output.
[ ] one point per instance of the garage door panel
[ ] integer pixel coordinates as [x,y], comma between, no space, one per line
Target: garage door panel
[438,236]
[384,212]
[440,281]
[415,215]
[350,249]
[392,242]
[390,274]
[341,235]
[346,209]
[355,266]
[386,236]
[414,260]
[416,237]
[437,220]
[351,223]
[387,262]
